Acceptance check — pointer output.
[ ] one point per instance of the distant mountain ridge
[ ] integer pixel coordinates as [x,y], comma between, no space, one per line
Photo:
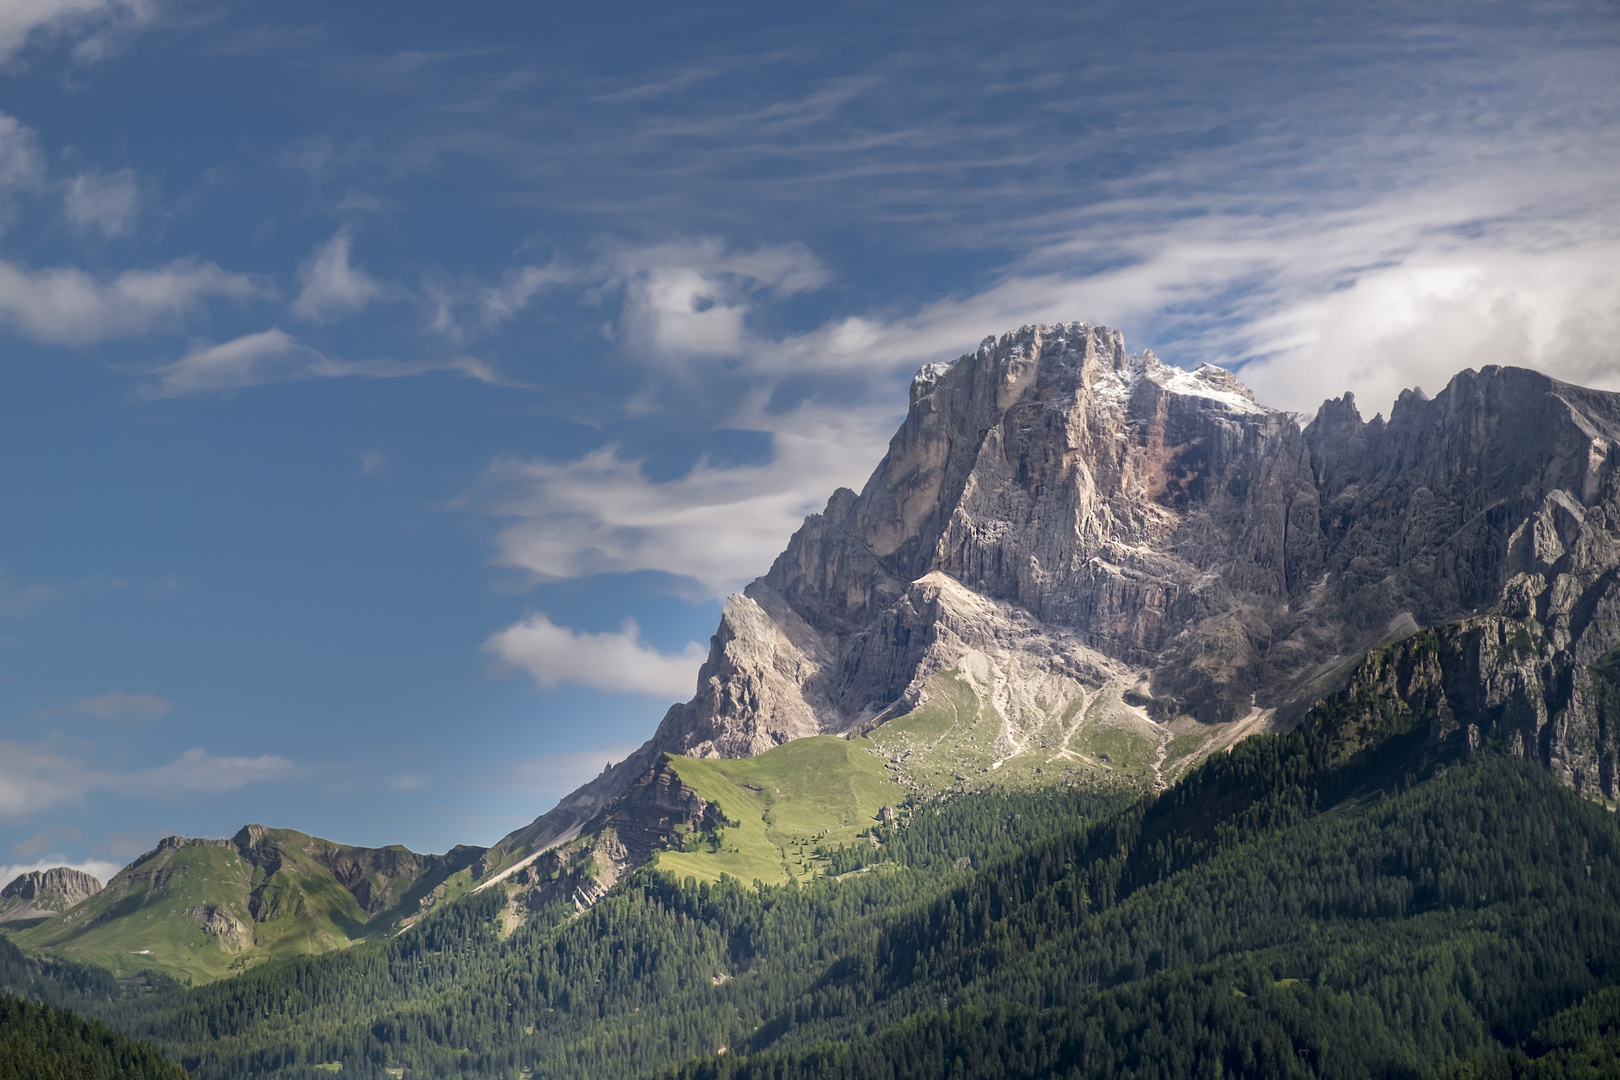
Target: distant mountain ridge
[203,907]
[1088,540]
[40,894]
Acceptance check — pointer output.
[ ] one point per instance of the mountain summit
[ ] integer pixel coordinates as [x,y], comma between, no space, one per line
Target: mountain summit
[41,894]
[1077,537]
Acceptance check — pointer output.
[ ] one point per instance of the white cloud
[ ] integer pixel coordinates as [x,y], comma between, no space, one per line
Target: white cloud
[66,305]
[693,298]
[556,775]
[719,526]
[1405,289]
[197,772]
[407,782]
[97,24]
[274,356]
[250,360]
[117,705]
[22,165]
[519,288]
[106,201]
[616,661]
[36,776]
[331,284]
[100,869]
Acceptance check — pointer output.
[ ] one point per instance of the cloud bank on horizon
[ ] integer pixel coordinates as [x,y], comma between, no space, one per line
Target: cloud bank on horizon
[494,340]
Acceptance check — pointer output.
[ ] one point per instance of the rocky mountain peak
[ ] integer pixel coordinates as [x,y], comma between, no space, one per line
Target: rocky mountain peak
[42,893]
[1065,524]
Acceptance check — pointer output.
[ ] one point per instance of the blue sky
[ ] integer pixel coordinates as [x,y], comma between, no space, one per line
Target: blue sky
[392,392]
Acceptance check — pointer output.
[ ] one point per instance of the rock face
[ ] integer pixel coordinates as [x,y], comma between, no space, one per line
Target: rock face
[1075,523]
[40,894]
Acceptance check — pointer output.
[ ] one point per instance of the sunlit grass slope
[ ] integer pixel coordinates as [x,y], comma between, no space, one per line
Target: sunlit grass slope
[823,791]
[201,909]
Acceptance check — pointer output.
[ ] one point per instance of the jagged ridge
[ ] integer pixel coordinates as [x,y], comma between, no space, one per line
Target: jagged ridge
[1066,526]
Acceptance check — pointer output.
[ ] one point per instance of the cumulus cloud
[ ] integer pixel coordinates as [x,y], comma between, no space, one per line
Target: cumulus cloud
[68,306]
[37,776]
[105,201]
[1401,290]
[719,526]
[614,660]
[332,284]
[693,298]
[96,25]
[117,705]
[274,356]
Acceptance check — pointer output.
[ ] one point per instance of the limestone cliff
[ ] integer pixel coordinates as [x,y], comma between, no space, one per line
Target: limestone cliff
[40,894]
[1060,522]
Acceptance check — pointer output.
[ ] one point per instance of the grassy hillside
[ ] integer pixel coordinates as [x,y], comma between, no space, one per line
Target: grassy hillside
[201,909]
[1280,912]
[792,805]
[823,792]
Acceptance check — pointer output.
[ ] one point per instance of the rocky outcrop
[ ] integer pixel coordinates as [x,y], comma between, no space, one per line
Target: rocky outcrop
[377,878]
[231,933]
[40,894]
[1081,524]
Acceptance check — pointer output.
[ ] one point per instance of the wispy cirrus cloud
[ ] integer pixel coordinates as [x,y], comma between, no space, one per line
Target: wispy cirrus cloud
[95,26]
[37,776]
[274,356]
[555,775]
[117,705]
[22,163]
[105,201]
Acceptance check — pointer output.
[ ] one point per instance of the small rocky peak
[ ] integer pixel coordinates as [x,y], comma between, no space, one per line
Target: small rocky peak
[1146,373]
[1338,415]
[928,376]
[1409,399]
[249,836]
[60,883]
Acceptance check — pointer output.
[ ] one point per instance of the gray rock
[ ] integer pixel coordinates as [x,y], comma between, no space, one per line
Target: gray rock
[41,894]
[1078,524]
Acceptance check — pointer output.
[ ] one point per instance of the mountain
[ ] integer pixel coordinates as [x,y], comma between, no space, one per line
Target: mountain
[1074,567]
[1120,726]
[1078,565]
[40,894]
[202,908]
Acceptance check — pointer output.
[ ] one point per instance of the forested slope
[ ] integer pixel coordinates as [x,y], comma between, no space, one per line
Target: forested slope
[1363,896]
[38,1042]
